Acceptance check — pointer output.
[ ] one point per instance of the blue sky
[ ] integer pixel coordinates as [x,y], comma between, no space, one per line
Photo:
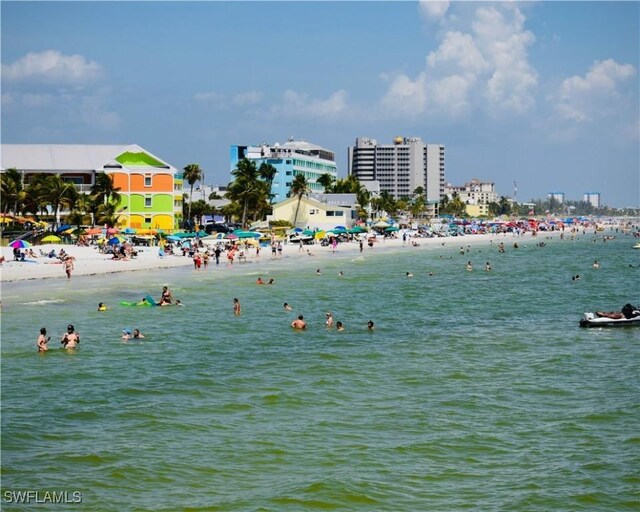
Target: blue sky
[542,93]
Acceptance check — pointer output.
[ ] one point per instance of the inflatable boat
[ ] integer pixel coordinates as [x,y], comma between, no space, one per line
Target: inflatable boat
[591,320]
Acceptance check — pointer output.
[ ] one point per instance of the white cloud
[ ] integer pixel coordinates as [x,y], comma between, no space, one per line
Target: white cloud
[296,104]
[434,9]
[458,52]
[504,44]
[406,97]
[582,98]
[52,66]
[483,67]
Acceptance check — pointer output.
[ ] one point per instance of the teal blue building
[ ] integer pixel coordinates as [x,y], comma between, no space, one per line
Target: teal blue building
[289,159]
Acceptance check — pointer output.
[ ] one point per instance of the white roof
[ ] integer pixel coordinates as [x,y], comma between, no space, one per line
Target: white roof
[63,157]
[303,145]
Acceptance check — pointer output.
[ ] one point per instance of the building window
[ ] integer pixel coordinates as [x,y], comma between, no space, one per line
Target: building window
[147,220]
[147,202]
[288,173]
[147,180]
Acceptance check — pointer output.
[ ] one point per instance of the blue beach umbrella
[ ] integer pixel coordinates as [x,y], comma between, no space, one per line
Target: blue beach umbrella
[116,240]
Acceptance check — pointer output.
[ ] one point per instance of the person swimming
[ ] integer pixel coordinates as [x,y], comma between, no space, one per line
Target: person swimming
[287,307]
[102,307]
[299,323]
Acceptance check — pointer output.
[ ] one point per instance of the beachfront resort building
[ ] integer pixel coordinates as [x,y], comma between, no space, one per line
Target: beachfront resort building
[556,196]
[475,194]
[399,168]
[150,189]
[290,159]
[318,211]
[593,198]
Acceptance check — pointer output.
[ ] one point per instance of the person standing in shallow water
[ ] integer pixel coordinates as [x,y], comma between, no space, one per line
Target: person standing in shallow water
[71,338]
[43,339]
[236,306]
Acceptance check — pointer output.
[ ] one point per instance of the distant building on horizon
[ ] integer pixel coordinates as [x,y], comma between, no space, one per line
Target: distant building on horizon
[593,198]
[557,196]
[475,194]
[290,159]
[399,168]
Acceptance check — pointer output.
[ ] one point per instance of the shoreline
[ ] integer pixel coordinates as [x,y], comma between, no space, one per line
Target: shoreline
[90,262]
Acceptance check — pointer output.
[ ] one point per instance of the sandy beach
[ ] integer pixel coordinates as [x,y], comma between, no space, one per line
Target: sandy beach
[89,261]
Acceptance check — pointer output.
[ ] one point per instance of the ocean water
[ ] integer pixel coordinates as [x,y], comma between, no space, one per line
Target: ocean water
[476,390]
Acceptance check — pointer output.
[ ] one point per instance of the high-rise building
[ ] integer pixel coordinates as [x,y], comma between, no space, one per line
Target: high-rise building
[557,196]
[400,167]
[289,159]
[593,198]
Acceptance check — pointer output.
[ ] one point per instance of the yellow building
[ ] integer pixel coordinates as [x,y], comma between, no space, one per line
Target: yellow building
[313,214]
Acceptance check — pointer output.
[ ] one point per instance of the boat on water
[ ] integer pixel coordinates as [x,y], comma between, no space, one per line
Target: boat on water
[593,320]
[637,246]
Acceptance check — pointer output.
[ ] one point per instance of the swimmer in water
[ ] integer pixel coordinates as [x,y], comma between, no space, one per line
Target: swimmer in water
[287,307]
[299,323]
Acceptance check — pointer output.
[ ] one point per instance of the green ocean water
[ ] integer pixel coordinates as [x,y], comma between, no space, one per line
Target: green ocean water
[476,391]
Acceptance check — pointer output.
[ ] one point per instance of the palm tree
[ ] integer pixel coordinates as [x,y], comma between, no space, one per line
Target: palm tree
[246,187]
[326,180]
[107,214]
[299,188]
[10,191]
[103,190]
[192,173]
[59,193]
[268,173]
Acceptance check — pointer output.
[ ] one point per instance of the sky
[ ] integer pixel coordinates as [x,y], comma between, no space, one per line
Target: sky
[543,94]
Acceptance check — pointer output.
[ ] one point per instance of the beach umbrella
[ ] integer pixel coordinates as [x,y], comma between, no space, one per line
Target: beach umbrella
[62,228]
[320,234]
[174,238]
[245,234]
[112,231]
[50,239]
[339,228]
[129,231]
[93,231]
[19,244]
[356,229]
[381,224]
[391,228]
[232,236]
[116,240]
